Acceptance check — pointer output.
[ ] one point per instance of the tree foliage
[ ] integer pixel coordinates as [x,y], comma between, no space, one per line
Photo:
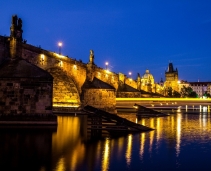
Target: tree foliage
[188,92]
[172,93]
[206,94]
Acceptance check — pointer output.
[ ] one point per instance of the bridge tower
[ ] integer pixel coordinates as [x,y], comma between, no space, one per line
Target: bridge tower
[16,37]
[171,77]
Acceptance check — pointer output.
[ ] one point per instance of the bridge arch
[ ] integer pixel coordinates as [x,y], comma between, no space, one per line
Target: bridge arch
[65,92]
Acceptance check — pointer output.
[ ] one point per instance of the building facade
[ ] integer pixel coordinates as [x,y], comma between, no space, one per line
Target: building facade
[171,76]
[201,87]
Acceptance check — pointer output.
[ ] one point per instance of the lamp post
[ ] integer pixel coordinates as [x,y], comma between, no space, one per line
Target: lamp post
[130,78]
[106,65]
[60,47]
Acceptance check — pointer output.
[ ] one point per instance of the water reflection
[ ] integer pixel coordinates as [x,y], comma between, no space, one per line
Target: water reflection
[106,155]
[67,145]
[178,140]
[61,164]
[129,150]
[142,142]
[182,140]
[24,148]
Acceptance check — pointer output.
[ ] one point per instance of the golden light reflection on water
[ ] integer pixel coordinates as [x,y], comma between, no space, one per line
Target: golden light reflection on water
[129,150]
[158,127]
[142,140]
[106,155]
[120,145]
[60,166]
[176,130]
[66,143]
[98,151]
[178,140]
[151,139]
[192,125]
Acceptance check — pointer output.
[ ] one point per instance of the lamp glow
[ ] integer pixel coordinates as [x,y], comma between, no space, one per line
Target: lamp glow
[60,47]
[106,65]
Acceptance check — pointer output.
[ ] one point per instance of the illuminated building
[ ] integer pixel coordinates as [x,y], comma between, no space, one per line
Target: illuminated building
[171,78]
[201,87]
[182,84]
[147,81]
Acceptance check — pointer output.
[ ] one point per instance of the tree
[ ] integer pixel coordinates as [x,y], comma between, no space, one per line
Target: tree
[206,94]
[176,94]
[172,93]
[169,91]
[187,92]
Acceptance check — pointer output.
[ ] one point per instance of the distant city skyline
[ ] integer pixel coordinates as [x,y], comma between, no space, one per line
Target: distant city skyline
[130,36]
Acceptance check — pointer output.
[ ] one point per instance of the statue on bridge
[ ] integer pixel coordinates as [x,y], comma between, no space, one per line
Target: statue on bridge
[139,82]
[16,28]
[91,57]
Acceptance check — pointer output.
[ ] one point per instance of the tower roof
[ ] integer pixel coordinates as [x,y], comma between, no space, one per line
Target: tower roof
[171,68]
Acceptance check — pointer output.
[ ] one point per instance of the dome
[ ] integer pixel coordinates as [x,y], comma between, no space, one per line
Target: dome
[147,75]
[147,78]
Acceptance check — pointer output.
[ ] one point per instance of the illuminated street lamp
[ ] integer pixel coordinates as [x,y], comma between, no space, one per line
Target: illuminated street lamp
[130,73]
[60,47]
[106,65]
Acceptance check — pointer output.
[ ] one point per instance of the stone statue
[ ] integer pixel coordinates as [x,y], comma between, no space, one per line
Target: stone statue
[91,57]
[139,82]
[14,20]
[138,77]
[19,23]
[91,52]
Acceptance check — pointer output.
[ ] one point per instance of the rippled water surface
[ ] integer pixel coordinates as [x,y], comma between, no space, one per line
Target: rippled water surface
[181,141]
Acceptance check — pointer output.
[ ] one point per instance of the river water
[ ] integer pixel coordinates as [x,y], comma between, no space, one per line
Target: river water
[181,141]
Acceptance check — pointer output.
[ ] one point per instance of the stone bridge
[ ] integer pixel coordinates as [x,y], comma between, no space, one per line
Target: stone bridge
[69,74]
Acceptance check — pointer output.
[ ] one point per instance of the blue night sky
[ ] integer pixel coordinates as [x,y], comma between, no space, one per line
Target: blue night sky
[131,35]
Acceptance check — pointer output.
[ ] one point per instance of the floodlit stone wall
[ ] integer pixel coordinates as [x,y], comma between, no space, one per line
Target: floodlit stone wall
[131,82]
[100,98]
[25,96]
[128,94]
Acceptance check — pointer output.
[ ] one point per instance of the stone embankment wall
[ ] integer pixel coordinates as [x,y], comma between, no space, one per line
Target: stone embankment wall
[100,98]
[24,96]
